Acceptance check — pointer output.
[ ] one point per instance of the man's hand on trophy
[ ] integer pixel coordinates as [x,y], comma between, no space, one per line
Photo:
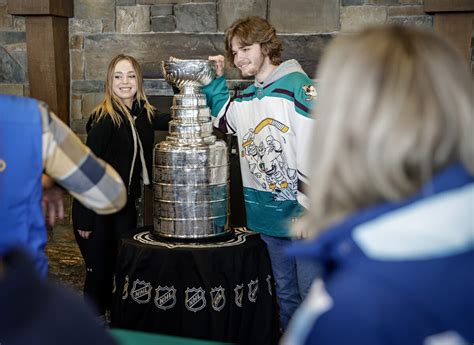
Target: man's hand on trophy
[220,63]
[172,58]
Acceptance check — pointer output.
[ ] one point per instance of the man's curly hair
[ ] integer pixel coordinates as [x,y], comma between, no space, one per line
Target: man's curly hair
[252,30]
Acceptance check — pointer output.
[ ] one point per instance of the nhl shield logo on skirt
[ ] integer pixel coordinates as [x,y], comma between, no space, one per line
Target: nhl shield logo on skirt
[195,299]
[253,289]
[239,294]
[165,297]
[218,298]
[141,291]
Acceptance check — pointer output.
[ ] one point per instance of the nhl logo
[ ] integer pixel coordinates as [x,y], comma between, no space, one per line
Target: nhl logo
[253,289]
[218,298]
[310,92]
[239,294]
[141,292]
[195,299]
[165,297]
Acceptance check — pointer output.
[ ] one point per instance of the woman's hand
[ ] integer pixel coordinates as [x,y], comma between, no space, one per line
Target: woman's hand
[84,234]
[174,59]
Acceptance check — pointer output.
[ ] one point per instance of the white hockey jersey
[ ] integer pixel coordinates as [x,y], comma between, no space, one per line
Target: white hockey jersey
[273,123]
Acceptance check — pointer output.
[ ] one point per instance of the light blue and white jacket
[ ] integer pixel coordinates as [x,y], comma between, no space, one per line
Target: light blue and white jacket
[273,125]
[396,273]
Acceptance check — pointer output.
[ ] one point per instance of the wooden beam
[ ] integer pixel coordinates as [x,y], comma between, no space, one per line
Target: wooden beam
[457,27]
[453,19]
[448,6]
[47,45]
[59,8]
[48,62]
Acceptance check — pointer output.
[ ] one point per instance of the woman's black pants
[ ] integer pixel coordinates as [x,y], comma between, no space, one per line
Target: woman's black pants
[100,254]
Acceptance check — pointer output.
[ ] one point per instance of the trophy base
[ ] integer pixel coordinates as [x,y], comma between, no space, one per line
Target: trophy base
[215,238]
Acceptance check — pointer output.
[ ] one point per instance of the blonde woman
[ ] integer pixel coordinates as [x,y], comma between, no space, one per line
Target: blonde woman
[392,194]
[120,130]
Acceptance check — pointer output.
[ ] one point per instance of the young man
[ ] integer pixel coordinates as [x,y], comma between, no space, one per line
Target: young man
[271,119]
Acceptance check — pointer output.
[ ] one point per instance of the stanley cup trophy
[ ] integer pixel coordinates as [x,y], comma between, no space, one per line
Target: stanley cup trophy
[191,167]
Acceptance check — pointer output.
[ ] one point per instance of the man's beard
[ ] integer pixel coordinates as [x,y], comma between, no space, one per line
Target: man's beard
[250,72]
[253,70]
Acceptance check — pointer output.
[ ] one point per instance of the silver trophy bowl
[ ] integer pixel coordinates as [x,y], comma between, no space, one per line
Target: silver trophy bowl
[186,74]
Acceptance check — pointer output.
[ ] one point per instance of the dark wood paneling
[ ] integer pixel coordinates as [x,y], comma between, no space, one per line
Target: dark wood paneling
[448,6]
[457,27]
[60,8]
[48,62]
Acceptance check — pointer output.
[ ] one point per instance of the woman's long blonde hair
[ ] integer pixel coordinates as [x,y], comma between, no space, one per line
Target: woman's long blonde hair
[111,105]
[395,106]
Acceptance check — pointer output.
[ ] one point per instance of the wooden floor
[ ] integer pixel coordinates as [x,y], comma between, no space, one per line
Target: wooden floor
[65,260]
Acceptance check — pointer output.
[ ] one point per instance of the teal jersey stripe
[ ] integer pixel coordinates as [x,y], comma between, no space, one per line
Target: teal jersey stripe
[289,87]
[268,216]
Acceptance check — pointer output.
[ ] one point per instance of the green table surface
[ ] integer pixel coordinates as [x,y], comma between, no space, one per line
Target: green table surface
[126,337]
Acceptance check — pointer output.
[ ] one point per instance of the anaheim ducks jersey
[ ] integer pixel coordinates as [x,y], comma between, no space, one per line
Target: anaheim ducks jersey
[273,124]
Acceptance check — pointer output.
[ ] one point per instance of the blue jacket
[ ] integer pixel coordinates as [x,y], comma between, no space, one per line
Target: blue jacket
[21,165]
[396,273]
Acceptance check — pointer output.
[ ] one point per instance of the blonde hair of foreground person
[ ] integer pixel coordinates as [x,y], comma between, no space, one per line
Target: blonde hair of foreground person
[395,105]
[111,105]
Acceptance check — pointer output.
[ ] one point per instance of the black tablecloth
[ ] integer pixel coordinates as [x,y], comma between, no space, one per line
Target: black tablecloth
[222,291]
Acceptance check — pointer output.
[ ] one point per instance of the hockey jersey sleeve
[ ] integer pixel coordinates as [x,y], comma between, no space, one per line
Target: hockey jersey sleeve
[218,99]
[303,123]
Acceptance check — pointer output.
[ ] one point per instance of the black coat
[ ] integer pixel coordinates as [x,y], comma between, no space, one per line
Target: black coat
[114,144]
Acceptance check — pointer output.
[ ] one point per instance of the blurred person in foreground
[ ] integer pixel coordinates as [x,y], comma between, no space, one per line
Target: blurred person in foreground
[392,194]
[34,141]
[40,311]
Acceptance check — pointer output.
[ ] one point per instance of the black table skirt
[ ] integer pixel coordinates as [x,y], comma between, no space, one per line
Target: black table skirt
[221,291]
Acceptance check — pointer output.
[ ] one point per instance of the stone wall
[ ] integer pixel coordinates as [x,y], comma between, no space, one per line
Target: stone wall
[152,30]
